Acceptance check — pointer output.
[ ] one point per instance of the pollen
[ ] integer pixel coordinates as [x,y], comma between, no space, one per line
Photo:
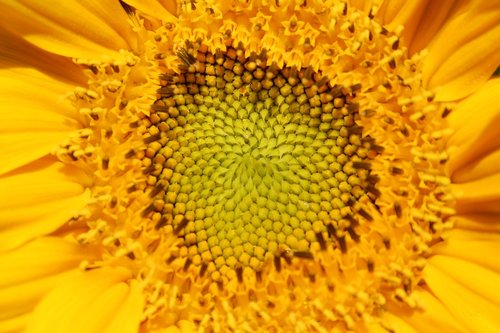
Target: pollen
[286,170]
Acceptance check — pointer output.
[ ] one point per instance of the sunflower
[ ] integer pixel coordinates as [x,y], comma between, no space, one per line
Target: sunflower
[249,166]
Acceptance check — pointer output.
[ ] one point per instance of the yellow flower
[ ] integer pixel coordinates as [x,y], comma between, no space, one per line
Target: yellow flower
[249,166]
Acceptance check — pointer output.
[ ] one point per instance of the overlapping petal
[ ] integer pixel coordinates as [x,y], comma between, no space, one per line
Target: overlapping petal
[95,301]
[52,191]
[88,29]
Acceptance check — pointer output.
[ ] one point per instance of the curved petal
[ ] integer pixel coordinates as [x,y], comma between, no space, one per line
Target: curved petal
[485,190]
[52,193]
[430,21]
[485,223]
[476,278]
[40,258]
[15,52]
[30,271]
[431,316]
[465,53]
[79,29]
[14,324]
[152,8]
[483,167]
[87,303]
[476,121]
[469,308]
[396,13]
[128,316]
[34,117]
[19,300]
[481,252]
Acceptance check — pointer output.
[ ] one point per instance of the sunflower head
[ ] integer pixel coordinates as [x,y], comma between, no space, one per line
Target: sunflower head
[242,166]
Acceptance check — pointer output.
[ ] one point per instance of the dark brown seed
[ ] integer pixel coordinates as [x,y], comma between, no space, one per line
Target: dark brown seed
[396,171]
[277,263]
[203,269]
[130,154]
[105,163]
[161,223]
[370,265]
[239,274]
[397,209]
[363,213]
[303,255]
[152,138]
[395,45]
[187,264]
[362,165]
[353,234]
[148,210]
[321,241]
[331,230]
[157,189]
[181,226]
[134,124]
[445,113]
[132,188]
[342,244]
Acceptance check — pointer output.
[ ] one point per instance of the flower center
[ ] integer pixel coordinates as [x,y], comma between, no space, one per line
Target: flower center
[253,161]
[291,179]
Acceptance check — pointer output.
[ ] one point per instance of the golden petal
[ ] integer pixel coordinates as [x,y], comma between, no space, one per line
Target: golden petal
[20,56]
[431,20]
[40,258]
[465,53]
[481,281]
[86,303]
[484,190]
[50,191]
[79,29]
[20,299]
[153,8]
[468,307]
[475,121]
[431,316]
[127,317]
[482,252]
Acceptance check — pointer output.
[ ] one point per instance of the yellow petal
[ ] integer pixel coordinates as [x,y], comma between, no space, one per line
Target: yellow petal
[14,324]
[396,13]
[476,121]
[170,5]
[37,199]
[363,5]
[476,278]
[469,308]
[483,253]
[23,148]
[128,317]
[485,223]
[16,53]
[34,117]
[484,190]
[397,324]
[152,8]
[80,29]
[431,316]
[465,53]
[87,303]
[481,168]
[40,258]
[472,235]
[21,299]
[432,18]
